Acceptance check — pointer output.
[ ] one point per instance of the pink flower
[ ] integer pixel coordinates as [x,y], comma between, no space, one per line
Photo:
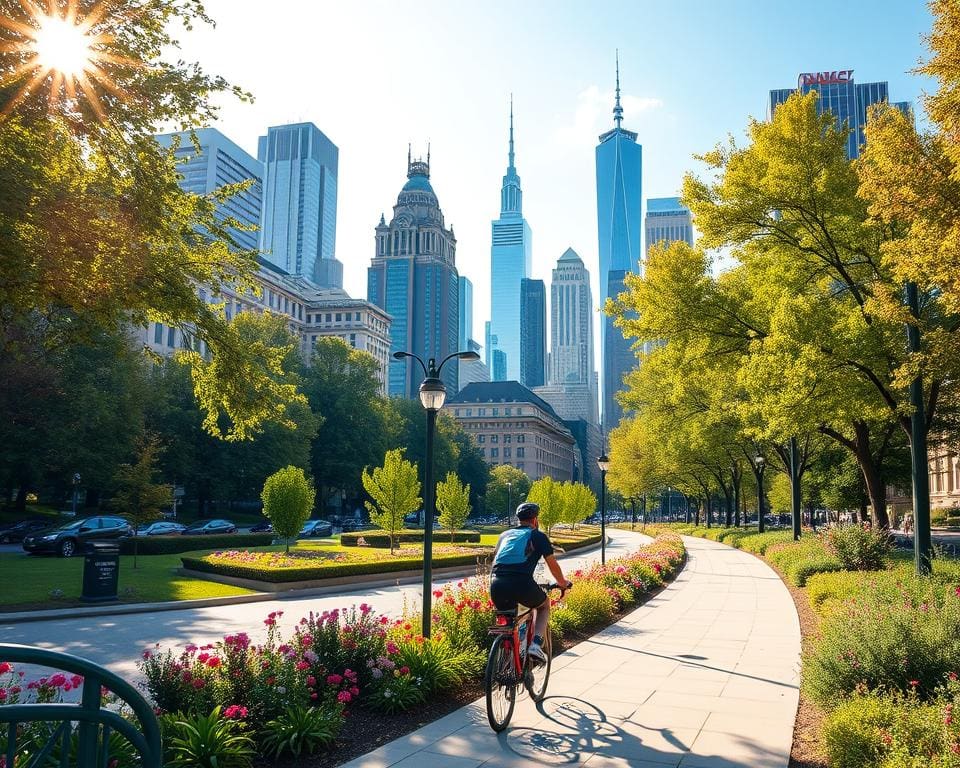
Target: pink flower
[334,679]
[306,641]
[5,666]
[404,670]
[313,695]
[344,697]
[213,662]
[311,680]
[235,712]
[199,683]
[302,665]
[914,683]
[147,654]
[58,680]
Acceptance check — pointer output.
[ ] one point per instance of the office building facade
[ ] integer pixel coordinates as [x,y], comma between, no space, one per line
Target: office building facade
[298,231]
[217,163]
[512,425]
[848,101]
[667,221]
[533,332]
[619,163]
[413,277]
[571,322]
[510,262]
[465,288]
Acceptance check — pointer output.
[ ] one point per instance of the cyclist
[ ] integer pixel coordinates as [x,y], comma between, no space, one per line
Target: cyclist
[511,575]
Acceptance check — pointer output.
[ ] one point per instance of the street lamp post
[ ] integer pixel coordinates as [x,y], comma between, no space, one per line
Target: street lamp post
[432,395]
[76,490]
[509,500]
[759,464]
[604,463]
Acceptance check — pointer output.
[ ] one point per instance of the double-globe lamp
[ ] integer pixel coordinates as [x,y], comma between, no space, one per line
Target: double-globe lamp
[604,463]
[432,396]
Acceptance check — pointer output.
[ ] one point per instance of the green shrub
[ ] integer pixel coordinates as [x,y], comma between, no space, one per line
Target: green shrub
[302,729]
[208,741]
[172,545]
[591,602]
[799,560]
[859,548]
[563,620]
[381,539]
[757,543]
[437,664]
[883,640]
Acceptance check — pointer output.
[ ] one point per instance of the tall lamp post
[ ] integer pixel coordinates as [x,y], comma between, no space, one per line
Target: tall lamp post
[76,490]
[432,395]
[509,500]
[759,464]
[604,463]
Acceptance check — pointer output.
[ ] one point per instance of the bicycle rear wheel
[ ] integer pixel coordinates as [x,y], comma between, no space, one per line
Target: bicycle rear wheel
[500,682]
[537,675]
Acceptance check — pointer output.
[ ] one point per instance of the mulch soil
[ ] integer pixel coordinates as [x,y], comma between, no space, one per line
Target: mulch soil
[366,729]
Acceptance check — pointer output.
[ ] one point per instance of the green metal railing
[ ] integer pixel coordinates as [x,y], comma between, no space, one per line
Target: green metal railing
[95,723]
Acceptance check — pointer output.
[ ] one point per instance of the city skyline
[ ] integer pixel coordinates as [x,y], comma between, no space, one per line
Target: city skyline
[566,99]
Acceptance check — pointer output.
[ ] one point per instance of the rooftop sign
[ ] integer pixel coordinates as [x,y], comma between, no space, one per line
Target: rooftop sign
[825,78]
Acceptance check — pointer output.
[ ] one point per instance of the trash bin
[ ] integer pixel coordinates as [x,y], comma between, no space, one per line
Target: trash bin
[101,571]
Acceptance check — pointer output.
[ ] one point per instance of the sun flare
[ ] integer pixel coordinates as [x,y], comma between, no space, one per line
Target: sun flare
[61,53]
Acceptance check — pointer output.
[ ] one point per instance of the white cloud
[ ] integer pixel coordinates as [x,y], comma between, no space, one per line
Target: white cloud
[594,114]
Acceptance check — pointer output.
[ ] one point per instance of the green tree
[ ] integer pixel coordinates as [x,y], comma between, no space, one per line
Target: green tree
[453,501]
[407,428]
[472,468]
[579,503]
[395,491]
[287,501]
[96,229]
[341,383]
[507,484]
[138,496]
[548,494]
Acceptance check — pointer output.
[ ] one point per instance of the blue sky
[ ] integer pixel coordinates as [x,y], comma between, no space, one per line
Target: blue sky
[376,75]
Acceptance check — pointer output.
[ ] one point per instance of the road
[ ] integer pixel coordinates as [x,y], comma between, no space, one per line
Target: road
[117,642]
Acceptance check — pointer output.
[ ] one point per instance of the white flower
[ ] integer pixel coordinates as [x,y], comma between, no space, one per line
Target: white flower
[387,694]
[281,689]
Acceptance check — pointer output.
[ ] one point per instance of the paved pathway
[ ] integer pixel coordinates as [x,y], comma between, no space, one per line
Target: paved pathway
[705,675]
[117,641]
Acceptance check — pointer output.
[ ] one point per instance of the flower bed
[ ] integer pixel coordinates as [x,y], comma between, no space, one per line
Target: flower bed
[264,695]
[381,539]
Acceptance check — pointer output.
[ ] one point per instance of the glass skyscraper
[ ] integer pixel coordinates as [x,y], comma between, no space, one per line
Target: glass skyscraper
[299,223]
[510,263]
[413,276]
[849,102]
[619,166]
[533,332]
[667,221]
[466,313]
[218,163]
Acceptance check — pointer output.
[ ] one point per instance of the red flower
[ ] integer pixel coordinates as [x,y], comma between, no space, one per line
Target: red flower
[438,593]
[334,679]
[213,662]
[5,666]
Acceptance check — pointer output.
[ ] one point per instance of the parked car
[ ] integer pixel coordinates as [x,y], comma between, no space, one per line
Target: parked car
[315,528]
[265,527]
[351,525]
[11,532]
[68,539]
[205,527]
[162,528]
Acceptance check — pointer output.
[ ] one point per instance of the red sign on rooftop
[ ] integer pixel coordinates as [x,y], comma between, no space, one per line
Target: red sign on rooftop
[825,78]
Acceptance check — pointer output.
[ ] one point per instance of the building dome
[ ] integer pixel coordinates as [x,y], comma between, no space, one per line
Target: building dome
[417,190]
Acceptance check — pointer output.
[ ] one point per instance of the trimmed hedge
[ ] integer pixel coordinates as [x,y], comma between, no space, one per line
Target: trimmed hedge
[381,539]
[285,575]
[172,545]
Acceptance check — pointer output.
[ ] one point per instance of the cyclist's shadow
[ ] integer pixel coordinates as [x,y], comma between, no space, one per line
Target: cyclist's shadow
[572,727]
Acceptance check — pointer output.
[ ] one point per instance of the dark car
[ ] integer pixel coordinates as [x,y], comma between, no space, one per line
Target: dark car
[205,527]
[10,532]
[162,528]
[265,527]
[315,528]
[69,538]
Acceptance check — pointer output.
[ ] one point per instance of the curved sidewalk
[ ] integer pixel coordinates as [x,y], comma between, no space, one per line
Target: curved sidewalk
[706,674]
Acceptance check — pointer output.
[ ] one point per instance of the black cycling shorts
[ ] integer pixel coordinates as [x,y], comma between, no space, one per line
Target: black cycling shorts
[507,590]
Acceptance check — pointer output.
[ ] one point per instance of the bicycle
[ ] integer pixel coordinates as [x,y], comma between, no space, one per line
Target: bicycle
[509,664]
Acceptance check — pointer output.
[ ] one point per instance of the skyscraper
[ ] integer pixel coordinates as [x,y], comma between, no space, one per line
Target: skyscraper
[466,312]
[413,276]
[849,102]
[619,166]
[533,332]
[299,224]
[571,322]
[510,262]
[667,221]
[220,162]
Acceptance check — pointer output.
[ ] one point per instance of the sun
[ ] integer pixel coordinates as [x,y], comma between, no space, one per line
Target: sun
[63,45]
[49,47]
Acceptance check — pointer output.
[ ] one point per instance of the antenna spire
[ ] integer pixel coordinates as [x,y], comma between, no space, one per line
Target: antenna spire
[617,109]
[510,163]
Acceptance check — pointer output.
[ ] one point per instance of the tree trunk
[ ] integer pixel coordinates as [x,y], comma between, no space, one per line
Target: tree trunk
[737,482]
[21,503]
[870,469]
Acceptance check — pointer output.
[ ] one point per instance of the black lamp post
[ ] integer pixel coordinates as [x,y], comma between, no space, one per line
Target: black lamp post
[509,500]
[604,463]
[76,488]
[432,395]
[759,464]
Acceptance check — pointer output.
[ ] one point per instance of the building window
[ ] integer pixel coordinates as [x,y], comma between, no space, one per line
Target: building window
[519,465]
[353,339]
[171,337]
[357,317]
[158,333]
[506,411]
[313,339]
[469,411]
[494,438]
[506,453]
[494,453]
[520,452]
[496,411]
[507,438]
[338,316]
[456,411]
[521,438]
[483,452]
[481,412]
[482,438]
[329,318]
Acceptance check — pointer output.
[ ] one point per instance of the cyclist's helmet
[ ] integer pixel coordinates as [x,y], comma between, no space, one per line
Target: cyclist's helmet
[528,510]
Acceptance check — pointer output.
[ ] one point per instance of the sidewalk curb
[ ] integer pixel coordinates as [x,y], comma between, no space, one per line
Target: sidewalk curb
[26,617]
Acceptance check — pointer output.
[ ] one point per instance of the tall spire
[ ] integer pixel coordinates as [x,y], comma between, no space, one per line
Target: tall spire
[510,163]
[617,109]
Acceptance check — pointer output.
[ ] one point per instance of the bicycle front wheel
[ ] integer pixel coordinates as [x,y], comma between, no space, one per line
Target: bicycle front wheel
[537,675]
[500,682]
